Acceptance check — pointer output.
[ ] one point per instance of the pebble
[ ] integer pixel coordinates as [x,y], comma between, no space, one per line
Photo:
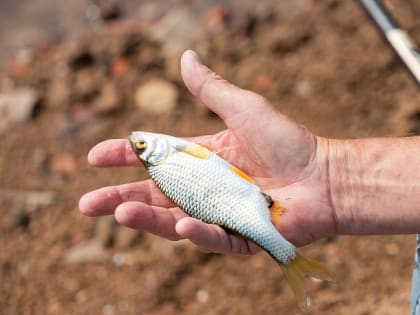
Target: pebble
[118,259]
[263,82]
[37,199]
[29,200]
[17,106]
[217,18]
[202,296]
[108,309]
[88,251]
[177,30]
[156,97]
[64,164]
[119,67]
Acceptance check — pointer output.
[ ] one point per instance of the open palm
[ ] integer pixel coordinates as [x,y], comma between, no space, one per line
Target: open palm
[285,160]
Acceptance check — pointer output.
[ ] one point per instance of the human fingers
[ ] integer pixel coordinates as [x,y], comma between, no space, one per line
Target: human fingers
[222,97]
[212,238]
[105,200]
[155,220]
[113,152]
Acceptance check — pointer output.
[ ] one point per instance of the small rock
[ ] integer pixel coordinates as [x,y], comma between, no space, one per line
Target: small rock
[263,82]
[118,259]
[82,297]
[108,309]
[156,97]
[119,66]
[108,100]
[37,199]
[202,296]
[21,62]
[177,30]
[217,18]
[304,88]
[29,200]
[17,106]
[64,164]
[88,251]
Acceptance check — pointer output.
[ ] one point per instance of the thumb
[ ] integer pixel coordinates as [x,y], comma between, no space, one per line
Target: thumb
[250,117]
[219,95]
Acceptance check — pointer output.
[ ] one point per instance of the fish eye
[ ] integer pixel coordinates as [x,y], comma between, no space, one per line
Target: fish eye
[140,144]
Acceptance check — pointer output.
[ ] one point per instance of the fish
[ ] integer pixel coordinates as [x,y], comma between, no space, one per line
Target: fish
[211,189]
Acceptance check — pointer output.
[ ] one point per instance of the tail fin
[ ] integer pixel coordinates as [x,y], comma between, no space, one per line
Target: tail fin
[295,272]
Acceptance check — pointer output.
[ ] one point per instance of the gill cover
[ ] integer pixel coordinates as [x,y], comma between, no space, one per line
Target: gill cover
[151,148]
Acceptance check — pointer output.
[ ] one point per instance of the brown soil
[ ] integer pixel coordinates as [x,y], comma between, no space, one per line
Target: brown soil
[323,64]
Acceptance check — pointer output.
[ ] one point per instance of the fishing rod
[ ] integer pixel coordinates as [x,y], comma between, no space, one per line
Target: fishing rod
[396,37]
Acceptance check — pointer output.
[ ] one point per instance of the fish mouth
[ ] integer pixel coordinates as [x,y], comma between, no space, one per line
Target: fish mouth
[132,137]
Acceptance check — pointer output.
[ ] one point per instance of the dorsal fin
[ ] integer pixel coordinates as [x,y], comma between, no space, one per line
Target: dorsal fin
[195,150]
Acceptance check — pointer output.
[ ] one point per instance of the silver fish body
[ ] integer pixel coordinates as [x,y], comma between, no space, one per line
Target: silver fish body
[207,188]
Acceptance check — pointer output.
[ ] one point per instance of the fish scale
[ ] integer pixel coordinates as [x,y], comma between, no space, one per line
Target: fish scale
[210,189]
[186,181]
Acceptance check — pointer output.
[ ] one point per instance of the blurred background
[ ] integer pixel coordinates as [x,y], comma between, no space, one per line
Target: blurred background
[73,73]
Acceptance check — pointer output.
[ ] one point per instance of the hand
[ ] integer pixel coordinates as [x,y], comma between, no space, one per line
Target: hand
[285,160]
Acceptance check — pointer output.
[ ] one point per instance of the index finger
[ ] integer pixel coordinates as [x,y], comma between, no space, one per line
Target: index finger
[113,152]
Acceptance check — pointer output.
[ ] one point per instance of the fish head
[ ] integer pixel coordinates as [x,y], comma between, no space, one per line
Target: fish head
[150,148]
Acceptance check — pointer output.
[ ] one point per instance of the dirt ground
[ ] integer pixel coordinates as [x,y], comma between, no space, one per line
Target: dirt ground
[320,62]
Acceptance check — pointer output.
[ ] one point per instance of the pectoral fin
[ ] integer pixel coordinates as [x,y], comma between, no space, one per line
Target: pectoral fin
[276,210]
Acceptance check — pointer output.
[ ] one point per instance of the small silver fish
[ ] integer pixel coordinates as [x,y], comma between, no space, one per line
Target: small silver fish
[209,188]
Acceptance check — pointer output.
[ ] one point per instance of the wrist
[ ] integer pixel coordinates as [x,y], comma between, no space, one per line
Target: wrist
[342,168]
[374,185]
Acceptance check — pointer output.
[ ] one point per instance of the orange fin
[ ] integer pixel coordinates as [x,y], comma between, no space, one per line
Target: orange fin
[242,174]
[295,272]
[276,210]
[195,150]
[208,147]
